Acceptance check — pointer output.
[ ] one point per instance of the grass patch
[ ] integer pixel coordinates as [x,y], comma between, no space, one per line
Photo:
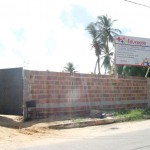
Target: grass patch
[132,115]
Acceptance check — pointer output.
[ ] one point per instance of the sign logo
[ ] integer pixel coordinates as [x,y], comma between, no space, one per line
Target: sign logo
[124,40]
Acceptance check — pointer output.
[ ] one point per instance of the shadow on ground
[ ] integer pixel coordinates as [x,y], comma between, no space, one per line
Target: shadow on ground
[10,121]
[17,122]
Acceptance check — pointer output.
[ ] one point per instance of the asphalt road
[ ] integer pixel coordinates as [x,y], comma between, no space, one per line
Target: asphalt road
[136,140]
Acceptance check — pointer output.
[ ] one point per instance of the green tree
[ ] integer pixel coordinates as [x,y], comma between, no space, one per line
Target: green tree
[91,28]
[103,35]
[132,71]
[107,33]
[107,57]
[70,67]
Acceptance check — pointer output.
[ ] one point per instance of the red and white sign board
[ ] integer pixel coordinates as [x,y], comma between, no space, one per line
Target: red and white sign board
[132,51]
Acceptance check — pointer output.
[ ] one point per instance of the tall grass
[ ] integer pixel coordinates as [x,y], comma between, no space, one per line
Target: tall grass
[134,114]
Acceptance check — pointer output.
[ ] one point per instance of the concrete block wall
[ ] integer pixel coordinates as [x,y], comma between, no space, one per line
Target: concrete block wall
[58,92]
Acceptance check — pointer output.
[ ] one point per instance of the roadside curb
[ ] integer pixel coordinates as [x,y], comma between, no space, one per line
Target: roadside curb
[72,124]
[121,119]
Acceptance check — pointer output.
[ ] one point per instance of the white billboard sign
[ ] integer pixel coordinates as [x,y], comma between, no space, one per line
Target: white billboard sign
[132,51]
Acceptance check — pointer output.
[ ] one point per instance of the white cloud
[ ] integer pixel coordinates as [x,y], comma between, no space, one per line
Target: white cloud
[48,43]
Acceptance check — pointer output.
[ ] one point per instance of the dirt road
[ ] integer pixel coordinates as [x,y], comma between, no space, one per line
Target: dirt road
[14,133]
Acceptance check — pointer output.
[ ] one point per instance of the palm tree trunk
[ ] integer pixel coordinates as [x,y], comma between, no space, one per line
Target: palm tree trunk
[107,46]
[107,50]
[99,65]
[105,70]
[95,67]
[98,61]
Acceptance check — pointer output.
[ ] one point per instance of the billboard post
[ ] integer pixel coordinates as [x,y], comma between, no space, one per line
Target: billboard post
[147,72]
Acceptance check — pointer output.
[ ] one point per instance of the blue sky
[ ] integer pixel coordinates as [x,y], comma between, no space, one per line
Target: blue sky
[76,15]
[45,34]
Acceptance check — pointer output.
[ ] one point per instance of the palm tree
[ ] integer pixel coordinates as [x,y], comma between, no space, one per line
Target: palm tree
[107,57]
[107,34]
[69,67]
[95,44]
[106,29]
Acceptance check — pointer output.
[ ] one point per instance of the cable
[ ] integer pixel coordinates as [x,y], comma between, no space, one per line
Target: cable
[137,3]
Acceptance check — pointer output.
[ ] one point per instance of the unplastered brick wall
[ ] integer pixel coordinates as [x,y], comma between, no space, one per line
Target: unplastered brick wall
[58,92]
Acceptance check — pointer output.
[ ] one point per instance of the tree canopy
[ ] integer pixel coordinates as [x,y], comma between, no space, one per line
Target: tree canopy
[132,71]
[70,68]
[103,33]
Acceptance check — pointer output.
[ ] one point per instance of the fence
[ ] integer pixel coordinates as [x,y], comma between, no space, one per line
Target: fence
[58,92]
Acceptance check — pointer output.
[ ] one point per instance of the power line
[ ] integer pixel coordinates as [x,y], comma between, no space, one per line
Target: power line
[138,3]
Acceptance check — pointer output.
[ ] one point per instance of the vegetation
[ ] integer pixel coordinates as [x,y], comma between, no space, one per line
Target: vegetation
[103,34]
[70,67]
[131,115]
[132,71]
[96,44]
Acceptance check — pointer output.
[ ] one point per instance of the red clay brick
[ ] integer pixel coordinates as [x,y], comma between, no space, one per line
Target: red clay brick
[56,87]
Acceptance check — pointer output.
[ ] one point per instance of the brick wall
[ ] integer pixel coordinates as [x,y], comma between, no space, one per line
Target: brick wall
[58,92]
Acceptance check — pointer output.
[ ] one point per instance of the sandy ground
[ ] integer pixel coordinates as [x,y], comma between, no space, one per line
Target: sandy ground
[14,133]
[13,128]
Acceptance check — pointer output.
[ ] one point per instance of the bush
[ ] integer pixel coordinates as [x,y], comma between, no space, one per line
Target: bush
[134,114]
